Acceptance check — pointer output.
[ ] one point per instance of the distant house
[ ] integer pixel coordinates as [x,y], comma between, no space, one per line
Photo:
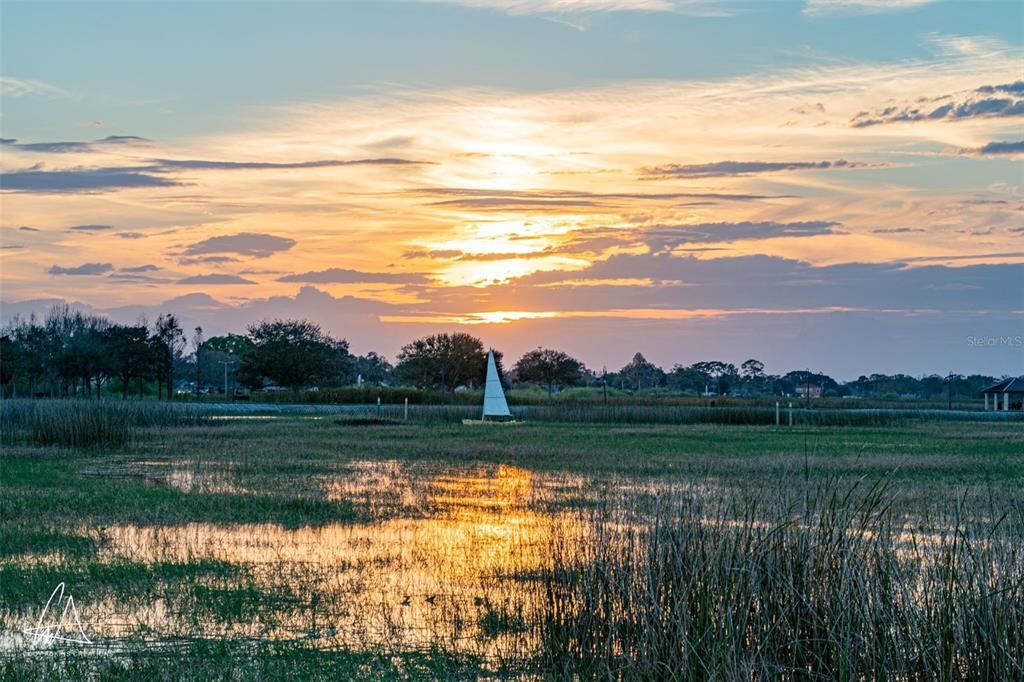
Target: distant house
[808,390]
[1006,395]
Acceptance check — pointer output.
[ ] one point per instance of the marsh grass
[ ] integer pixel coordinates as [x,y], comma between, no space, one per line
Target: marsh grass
[87,423]
[307,549]
[829,587]
[727,415]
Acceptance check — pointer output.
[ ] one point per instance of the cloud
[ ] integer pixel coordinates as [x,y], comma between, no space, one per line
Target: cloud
[344,276]
[897,230]
[71,147]
[435,253]
[26,228]
[90,228]
[198,164]
[39,180]
[21,87]
[750,283]
[500,204]
[733,168]
[563,7]
[987,101]
[208,260]
[80,180]
[84,269]
[137,278]
[667,237]
[243,244]
[819,7]
[595,197]
[215,279]
[141,268]
[997,149]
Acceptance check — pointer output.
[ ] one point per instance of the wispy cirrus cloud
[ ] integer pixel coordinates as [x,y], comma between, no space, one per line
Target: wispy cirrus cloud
[200,164]
[821,7]
[558,7]
[22,87]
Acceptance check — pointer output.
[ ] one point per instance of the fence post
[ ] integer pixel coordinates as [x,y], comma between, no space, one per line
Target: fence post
[791,415]
[776,412]
[406,409]
[378,406]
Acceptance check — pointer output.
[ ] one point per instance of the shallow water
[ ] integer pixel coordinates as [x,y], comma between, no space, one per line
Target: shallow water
[457,574]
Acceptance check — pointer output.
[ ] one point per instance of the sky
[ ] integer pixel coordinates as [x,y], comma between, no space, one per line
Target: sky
[832,185]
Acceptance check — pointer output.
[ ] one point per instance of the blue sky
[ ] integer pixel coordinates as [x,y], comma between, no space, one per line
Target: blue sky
[680,177]
[181,68]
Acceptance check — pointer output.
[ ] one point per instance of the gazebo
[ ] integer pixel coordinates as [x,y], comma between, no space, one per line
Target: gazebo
[1011,391]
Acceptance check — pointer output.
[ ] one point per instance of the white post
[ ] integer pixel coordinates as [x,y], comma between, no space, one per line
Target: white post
[986,402]
[791,415]
[1006,402]
[406,409]
[776,412]
[378,406]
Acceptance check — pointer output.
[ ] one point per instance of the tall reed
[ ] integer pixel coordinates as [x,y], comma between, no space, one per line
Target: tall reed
[832,586]
[84,423]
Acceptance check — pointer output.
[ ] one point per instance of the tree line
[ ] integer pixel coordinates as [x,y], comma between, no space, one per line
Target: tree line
[71,353]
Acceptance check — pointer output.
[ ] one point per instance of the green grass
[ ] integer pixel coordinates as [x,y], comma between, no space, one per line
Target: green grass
[572,550]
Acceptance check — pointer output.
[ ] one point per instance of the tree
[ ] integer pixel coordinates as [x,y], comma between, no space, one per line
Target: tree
[129,352]
[640,372]
[444,360]
[721,375]
[752,374]
[550,368]
[296,353]
[30,357]
[686,379]
[222,360]
[168,342]
[373,368]
[8,362]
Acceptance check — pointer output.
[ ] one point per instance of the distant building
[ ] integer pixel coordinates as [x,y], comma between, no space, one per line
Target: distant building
[1006,395]
[808,390]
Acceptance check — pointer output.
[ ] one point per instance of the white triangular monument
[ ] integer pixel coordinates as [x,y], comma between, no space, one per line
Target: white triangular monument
[495,406]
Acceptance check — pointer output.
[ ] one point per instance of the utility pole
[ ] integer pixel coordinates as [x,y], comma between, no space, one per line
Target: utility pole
[604,380]
[227,363]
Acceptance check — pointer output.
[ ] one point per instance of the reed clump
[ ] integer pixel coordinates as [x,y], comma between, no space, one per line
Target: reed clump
[85,423]
[834,586]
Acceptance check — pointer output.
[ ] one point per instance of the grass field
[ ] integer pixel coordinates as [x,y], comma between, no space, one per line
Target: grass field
[302,546]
